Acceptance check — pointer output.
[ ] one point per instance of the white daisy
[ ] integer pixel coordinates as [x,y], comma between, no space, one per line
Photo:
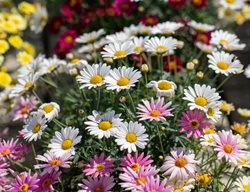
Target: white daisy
[224,63]
[63,142]
[119,37]
[226,40]
[243,184]
[103,125]
[122,78]
[232,4]
[88,48]
[138,44]
[161,45]
[183,185]
[204,47]
[208,140]
[90,37]
[163,88]
[76,63]
[244,161]
[247,71]
[167,28]
[50,110]
[213,112]
[130,136]
[118,50]
[93,76]
[201,97]
[132,30]
[34,126]
[144,30]
[201,27]
[39,19]
[24,85]
[51,64]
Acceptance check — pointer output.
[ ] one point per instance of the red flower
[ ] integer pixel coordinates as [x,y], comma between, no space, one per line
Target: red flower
[88,16]
[124,7]
[149,20]
[60,51]
[176,3]
[100,12]
[203,37]
[199,3]
[138,59]
[55,24]
[67,38]
[110,11]
[172,63]
[67,12]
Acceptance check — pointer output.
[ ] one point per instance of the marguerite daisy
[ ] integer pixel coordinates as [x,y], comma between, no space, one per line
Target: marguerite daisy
[50,110]
[130,136]
[232,4]
[243,184]
[167,28]
[138,43]
[163,88]
[201,27]
[90,37]
[63,142]
[122,78]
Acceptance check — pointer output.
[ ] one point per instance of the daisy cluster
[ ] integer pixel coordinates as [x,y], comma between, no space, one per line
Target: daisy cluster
[136,110]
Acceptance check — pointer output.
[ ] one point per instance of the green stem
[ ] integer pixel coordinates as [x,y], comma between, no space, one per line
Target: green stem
[223,82]
[131,100]
[229,182]
[159,135]
[98,98]
[19,165]
[34,152]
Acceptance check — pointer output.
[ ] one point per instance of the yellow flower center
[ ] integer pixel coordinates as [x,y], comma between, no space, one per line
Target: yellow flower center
[131,137]
[24,188]
[55,162]
[246,187]
[228,148]
[141,180]
[155,113]
[161,48]
[95,79]
[201,101]
[5,152]
[36,127]
[47,183]
[230,1]
[209,130]
[105,125]
[120,53]
[210,140]
[74,61]
[123,81]
[224,41]
[28,84]
[204,179]
[135,166]
[138,49]
[180,162]
[99,189]
[197,2]
[48,108]
[210,112]
[171,65]
[24,110]
[178,190]
[66,144]
[164,85]
[222,65]
[68,39]
[99,167]
[194,124]
[240,128]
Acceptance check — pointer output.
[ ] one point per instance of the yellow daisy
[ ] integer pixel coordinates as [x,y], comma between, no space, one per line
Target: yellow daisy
[4,46]
[5,79]
[26,8]
[16,41]
[24,58]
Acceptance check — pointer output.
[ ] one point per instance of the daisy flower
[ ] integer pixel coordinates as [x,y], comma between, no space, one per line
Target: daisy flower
[8,149]
[183,185]
[25,183]
[136,161]
[154,184]
[161,45]
[103,125]
[63,142]
[50,110]
[23,106]
[229,147]
[99,166]
[226,40]
[53,161]
[243,184]
[122,78]
[51,64]
[136,180]
[34,126]
[201,97]
[47,180]
[90,37]
[208,140]
[232,4]
[38,19]
[144,29]
[118,50]
[93,76]
[104,184]
[154,110]
[213,113]
[163,88]
[75,63]
[118,37]
[224,63]
[201,27]
[244,162]
[24,85]
[138,43]
[3,169]
[167,28]
[204,47]
[180,165]
[193,123]
[124,7]
[130,136]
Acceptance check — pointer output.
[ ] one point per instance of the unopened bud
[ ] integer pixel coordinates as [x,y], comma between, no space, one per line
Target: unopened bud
[69,56]
[200,74]
[161,157]
[81,112]
[141,8]
[195,61]
[180,44]
[144,68]
[190,66]
[122,99]
[73,72]
[108,60]
[80,164]
[163,128]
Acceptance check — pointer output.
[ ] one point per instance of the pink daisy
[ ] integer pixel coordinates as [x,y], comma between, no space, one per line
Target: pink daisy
[53,162]
[180,165]
[229,146]
[47,180]
[193,123]
[23,107]
[99,166]
[135,162]
[154,110]
[4,183]
[103,184]
[132,180]
[154,184]
[25,183]
[8,150]
[124,7]
[3,169]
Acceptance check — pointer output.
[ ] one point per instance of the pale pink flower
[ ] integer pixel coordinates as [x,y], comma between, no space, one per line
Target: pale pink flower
[154,184]
[47,180]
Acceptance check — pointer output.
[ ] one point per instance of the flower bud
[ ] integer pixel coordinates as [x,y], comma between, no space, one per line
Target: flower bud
[108,60]
[73,72]
[195,61]
[200,75]
[161,157]
[141,9]
[144,68]
[163,128]
[69,56]
[180,44]
[190,66]
[122,99]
